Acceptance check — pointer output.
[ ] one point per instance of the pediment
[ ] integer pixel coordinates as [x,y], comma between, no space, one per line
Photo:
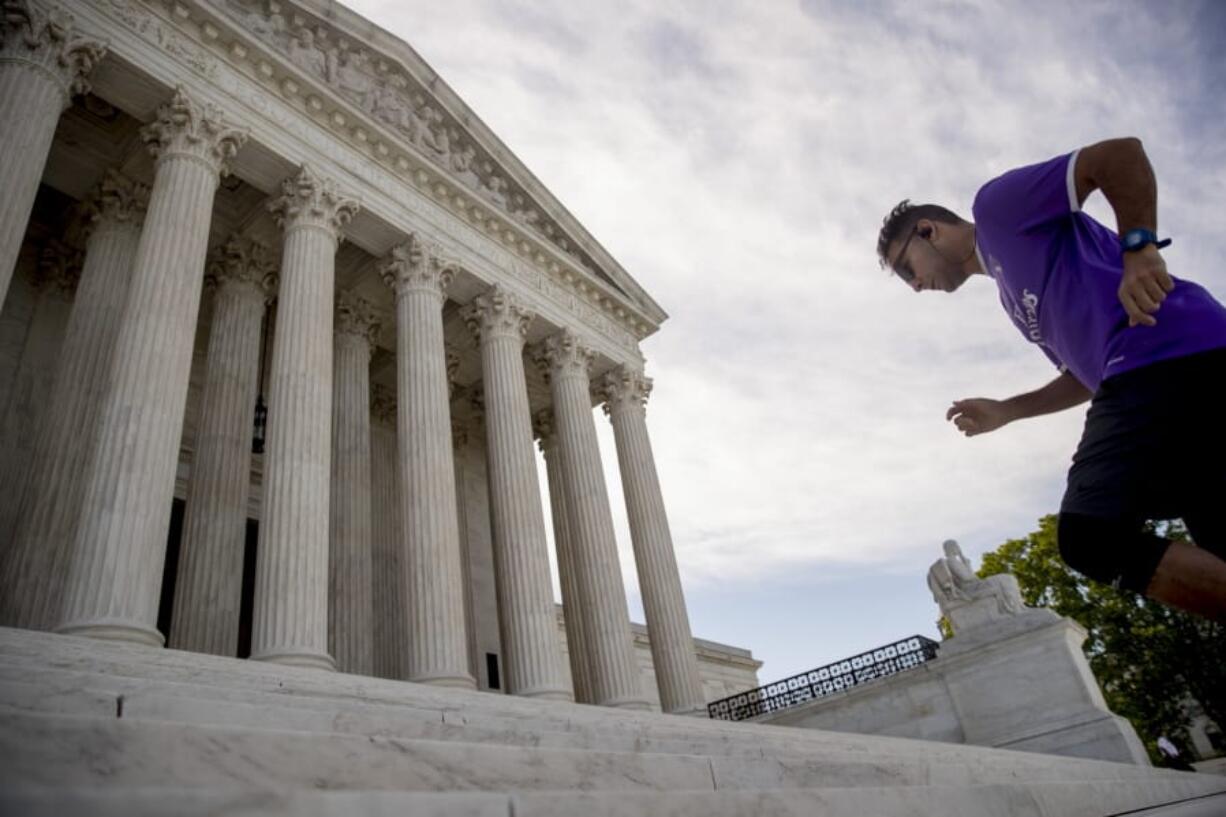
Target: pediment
[384,79]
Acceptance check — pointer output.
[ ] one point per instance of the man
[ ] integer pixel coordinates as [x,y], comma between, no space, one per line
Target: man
[1150,348]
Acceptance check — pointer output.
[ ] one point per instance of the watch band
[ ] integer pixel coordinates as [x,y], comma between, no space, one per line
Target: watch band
[1138,238]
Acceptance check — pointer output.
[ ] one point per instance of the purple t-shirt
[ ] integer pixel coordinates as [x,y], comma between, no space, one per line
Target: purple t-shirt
[1058,271]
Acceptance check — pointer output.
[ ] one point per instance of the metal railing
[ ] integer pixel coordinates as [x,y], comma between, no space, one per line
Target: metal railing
[882,662]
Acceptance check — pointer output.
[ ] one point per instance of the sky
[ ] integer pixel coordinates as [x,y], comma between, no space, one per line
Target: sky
[737,158]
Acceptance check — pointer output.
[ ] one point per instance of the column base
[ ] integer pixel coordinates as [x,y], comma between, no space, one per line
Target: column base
[114,630]
[633,704]
[546,694]
[311,660]
[690,712]
[453,681]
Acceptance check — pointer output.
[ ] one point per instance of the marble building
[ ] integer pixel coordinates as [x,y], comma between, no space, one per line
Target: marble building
[284,324]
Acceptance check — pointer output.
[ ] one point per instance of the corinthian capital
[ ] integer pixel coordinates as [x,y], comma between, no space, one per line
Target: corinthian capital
[46,42]
[308,200]
[59,269]
[116,200]
[356,316]
[185,128]
[244,264]
[562,354]
[623,389]
[416,265]
[497,313]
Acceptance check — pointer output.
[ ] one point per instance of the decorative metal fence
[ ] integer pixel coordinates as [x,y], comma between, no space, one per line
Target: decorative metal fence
[882,662]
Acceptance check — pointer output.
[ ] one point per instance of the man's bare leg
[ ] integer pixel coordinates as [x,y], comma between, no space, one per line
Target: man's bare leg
[1191,579]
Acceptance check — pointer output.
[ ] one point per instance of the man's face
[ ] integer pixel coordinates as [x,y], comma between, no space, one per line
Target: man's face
[920,259]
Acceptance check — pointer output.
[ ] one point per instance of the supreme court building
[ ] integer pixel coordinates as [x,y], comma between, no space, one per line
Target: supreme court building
[283,323]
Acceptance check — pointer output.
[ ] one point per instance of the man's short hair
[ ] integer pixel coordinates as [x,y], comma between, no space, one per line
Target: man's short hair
[902,220]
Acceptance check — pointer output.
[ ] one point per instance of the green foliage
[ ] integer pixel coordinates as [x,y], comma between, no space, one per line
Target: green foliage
[1148,658]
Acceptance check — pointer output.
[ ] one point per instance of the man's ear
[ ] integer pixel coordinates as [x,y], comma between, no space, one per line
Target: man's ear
[924,227]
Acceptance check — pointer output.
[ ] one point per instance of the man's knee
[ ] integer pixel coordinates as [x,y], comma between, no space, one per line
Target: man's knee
[1112,551]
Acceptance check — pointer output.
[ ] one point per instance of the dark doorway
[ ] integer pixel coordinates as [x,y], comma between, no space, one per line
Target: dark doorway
[170,574]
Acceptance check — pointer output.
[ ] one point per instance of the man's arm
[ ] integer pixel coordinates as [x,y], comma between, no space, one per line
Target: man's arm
[1121,170]
[979,415]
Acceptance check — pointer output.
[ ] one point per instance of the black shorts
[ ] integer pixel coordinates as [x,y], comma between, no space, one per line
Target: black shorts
[1154,447]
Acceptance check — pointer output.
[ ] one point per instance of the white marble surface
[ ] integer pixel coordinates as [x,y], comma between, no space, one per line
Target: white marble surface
[46,673]
[1030,689]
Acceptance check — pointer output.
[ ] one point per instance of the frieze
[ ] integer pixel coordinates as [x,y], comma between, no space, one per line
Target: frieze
[468,225]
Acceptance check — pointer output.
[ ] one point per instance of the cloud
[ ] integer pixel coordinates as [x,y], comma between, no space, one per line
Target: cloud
[737,158]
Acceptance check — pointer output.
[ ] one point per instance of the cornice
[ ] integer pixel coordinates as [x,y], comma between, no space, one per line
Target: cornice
[213,28]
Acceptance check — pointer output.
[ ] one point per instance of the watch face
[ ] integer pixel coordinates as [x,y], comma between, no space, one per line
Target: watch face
[1135,238]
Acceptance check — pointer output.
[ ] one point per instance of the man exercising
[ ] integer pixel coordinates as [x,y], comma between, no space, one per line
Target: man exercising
[1149,348]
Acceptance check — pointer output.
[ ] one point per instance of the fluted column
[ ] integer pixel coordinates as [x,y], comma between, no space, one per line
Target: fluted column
[615,676]
[291,575]
[55,279]
[576,643]
[208,591]
[44,62]
[32,575]
[120,543]
[625,394]
[532,654]
[386,563]
[433,576]
[351,619]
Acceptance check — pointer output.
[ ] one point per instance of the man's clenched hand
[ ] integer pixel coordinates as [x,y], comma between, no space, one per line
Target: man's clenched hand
[1144,286]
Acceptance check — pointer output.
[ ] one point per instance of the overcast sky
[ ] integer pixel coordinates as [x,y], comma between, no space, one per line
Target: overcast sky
[737,158]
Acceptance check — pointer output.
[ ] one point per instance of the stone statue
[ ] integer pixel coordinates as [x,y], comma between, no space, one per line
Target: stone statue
[462,163]
[388,105]
[967,600]
[264,20]
[495,188]
[304,53]
[347,73]
[523,213]
[434,133]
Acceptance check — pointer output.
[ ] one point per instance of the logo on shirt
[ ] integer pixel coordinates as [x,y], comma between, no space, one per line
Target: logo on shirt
[1026,313]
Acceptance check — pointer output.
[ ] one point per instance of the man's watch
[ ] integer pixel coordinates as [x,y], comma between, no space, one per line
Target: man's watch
[1140,238]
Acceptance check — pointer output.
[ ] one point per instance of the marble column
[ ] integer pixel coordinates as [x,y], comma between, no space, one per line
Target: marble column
[386,563]
[31,579]
[625,394]
[208,591]
[113,583]
[55,280]
[351,619]
[460,442]
[433,575]
[44,62]
[615,677]
[291,574]
[576,643]
[532,653]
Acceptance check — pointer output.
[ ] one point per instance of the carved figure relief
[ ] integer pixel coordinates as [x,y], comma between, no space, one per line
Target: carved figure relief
[308,56]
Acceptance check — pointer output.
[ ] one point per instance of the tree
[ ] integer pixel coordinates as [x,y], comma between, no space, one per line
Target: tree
[1148,658]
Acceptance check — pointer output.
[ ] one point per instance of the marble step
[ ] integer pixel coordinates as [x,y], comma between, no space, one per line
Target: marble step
[81,694]
[172,685]
[1018,800]
[80,750]
[72,692]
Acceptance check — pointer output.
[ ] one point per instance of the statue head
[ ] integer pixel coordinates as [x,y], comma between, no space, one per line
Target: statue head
[952,550]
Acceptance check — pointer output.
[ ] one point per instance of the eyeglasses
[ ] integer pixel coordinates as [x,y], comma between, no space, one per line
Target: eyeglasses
[900,267]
